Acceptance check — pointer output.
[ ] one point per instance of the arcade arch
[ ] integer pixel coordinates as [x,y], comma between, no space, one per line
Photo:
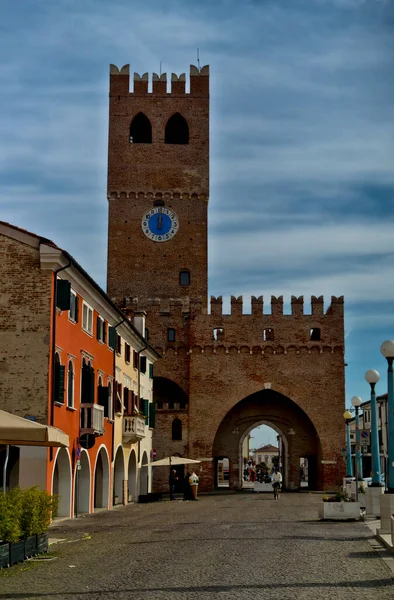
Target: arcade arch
[82,485]
[119,476]
[101,479]
[132,477]
[144,475]
[61,482]
[292,424]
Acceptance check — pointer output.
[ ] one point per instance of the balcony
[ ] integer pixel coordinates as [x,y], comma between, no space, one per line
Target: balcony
[133,429]
[92,419]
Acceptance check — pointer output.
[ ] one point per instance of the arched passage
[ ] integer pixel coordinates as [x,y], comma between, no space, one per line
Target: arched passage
[177,130]
[168,394]
[292,424]
[144,475]
[101,480]
[82,485]
[119,476]
[140,130]
[61,484]
[132,477]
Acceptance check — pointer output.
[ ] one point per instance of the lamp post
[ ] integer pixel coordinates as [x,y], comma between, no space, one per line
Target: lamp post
[387,350]
[356,402]
[347,415]
[372,377]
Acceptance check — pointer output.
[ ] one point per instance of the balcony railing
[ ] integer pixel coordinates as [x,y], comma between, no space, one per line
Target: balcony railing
[92,419]
[133,429]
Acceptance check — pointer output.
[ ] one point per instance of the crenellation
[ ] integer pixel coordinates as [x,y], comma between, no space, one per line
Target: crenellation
[159,84]
[216,306]
[297,306]
[336,307]
[257,305]
[236,306]
[317,305]
[199,80]
[276,306]
[178,84]
[120,82]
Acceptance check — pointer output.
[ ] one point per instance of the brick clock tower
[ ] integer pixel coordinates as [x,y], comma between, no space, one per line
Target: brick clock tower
[220,375]
[158,186]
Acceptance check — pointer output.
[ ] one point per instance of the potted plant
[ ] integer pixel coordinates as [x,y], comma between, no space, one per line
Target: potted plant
[339,507]
[10,517]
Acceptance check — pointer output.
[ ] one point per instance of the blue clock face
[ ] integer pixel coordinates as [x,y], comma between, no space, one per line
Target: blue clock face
[160,224]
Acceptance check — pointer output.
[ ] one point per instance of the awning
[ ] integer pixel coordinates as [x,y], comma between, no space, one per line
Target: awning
[17,431]
[171,461]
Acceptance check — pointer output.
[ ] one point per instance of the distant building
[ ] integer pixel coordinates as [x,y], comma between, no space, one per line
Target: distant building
[265,454]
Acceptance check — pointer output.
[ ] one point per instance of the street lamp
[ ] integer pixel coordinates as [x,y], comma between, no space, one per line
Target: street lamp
[372,377]
[347,415]
[356,401]
[387,350]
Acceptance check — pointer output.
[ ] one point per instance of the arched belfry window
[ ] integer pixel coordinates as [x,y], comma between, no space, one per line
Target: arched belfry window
[177,429]
[140,130]
[177,130]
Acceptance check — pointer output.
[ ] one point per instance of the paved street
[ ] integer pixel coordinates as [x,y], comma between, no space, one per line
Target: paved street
[241,546]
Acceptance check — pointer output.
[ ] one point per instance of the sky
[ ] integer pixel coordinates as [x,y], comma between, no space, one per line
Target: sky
[302,141]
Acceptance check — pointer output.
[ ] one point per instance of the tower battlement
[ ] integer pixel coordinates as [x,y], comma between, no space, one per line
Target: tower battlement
[120,82]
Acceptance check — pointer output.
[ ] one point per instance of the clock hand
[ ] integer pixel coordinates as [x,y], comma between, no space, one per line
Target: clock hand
[160,221]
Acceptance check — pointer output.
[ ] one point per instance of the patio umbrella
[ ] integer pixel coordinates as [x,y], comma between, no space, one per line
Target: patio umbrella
[17,431]
[171,461]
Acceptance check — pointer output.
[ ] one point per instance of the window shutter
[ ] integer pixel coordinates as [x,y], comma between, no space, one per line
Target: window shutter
[125,399]
[112,338]
[98,327]
[91,385]
[63,292]
[152,414]
[136,402]
[130,402]
[145,409]
[150,371]
[76,309]
[59,382]
[104,332]
[143,364]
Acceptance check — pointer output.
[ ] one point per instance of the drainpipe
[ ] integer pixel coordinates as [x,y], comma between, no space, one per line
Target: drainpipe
[52,417]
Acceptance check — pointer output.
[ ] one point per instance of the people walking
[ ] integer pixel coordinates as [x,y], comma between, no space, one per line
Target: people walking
[172,481]
[276,483]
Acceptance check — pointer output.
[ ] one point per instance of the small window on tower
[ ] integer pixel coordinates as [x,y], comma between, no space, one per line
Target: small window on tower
[268,335]
[140,130]
[218,334]
[314,334]
[184,278]
[171,334]
[177,130]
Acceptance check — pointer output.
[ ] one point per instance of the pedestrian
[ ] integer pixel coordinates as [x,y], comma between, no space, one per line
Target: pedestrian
[187,491]
[276,481]
[172,481]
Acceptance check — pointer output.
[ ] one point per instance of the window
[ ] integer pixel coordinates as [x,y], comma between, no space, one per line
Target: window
[146,334]
[143,364]
[109,402]
[87,318]
[150,371]
[268,335]
[103,396]
[177,130]
[171,334]
[314,335]
[136,360]
[152,415]
[118,344]
[59,381]
[184,278]
[73,314]
[177,429]
[127,352]
[101,330]
[87,384]
[70,385]
[140,130]
[63,290]
[218,334]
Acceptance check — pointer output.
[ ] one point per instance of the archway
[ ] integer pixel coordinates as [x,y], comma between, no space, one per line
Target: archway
[132,477]
[119,476]
[61,483]
[83,485]
[144,475]
[292,424]
[168,395]
[101,479]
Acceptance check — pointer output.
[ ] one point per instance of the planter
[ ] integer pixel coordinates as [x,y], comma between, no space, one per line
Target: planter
[30,546]
[17,552]
[4,555]
[42,543]
[340,511]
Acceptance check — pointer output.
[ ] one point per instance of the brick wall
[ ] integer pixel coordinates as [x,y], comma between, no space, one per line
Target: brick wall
[24,329]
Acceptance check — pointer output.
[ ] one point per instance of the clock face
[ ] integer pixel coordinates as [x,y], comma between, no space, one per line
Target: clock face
[160,224]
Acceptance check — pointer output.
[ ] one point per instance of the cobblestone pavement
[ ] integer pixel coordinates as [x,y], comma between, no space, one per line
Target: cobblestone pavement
[241,546]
